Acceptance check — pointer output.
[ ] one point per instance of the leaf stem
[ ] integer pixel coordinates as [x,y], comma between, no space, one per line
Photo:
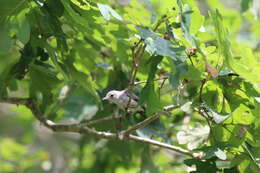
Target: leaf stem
[201,88]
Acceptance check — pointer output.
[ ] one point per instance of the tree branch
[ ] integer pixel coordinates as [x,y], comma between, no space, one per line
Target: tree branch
[82,129]
[17,101]
[77,128]
[164,145]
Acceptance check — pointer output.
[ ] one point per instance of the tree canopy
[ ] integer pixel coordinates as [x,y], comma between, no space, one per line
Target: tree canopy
[193,64]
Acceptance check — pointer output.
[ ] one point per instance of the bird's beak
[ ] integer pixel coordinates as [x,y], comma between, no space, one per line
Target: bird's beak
[105,98]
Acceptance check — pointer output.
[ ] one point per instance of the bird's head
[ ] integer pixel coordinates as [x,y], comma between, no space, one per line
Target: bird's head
[112,95]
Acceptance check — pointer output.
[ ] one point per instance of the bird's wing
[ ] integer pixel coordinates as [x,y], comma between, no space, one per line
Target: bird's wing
[132,95]
[133,106]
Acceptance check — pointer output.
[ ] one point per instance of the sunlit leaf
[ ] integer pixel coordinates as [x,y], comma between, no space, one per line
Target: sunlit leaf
[245,63]
[107,12]
[220,154]
[242,115]
[218,118]
[186,107]
[158,45]
[193,137]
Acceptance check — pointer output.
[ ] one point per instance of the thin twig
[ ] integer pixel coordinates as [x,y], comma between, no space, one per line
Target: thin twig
[135,54]
[138,54]
[148,120]
[142,82]
[141,124]
[201,112]
[161,20]
[160,87]
[190,60]
[170,108]
[136,58]
[110,118]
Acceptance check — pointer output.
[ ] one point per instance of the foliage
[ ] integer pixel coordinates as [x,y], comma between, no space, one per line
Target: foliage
[64,55]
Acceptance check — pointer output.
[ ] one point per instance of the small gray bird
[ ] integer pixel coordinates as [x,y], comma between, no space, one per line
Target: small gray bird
[124,99]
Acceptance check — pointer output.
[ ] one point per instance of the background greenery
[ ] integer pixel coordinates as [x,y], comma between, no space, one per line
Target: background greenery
[66,54]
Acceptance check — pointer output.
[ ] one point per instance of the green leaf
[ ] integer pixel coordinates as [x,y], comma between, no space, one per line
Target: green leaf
[19,69]
[193,137]
[230,134]
[54,58]
[149,97]
[242,115]
[76,17]
[43,81]
[222,37]
[245,63]
[54,7]
[154,129]
[212,95]
[202,166]
[247,166]
[122,150]
[174,80]
[187,107]
[80,105]
[42,78]
[244,5]
[181,69]
[197,20]
[24,29]
[185,22]
[223,164]
[11,7]
[14,148]
[5,40]
[107,12]
[218,118]
[146,33]
[147,164]
[214,151]
[159,46]
[82,79]
[257,99]
[148,94]
[163,47]
[220,154]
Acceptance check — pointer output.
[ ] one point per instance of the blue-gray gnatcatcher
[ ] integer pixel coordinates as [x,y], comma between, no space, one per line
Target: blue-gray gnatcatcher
[124,100]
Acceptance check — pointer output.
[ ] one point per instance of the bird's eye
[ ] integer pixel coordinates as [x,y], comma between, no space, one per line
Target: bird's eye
[112,95]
